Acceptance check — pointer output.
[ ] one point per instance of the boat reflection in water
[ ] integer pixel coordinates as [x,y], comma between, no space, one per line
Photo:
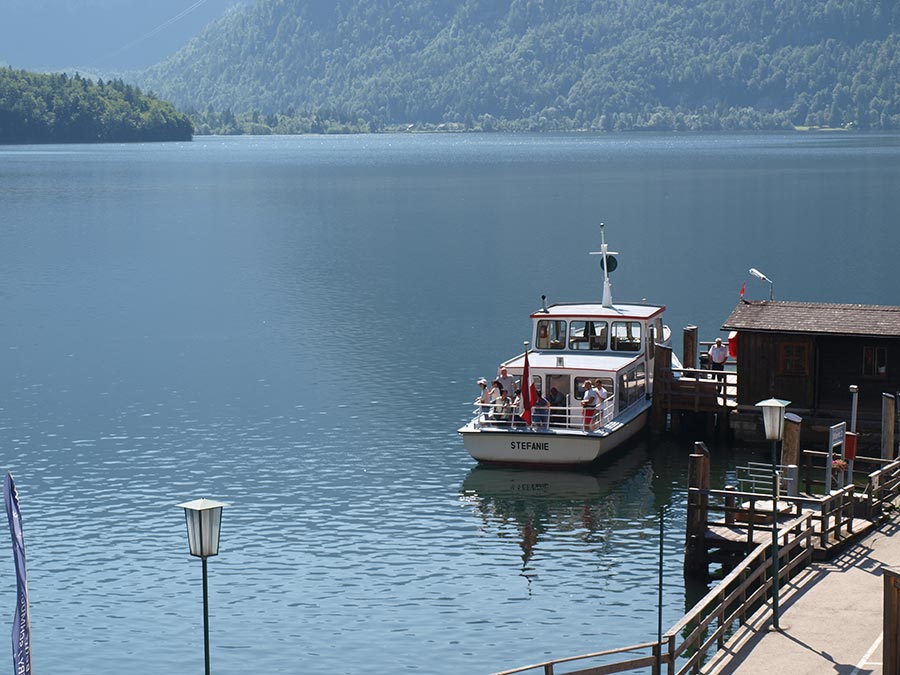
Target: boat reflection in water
[550,509]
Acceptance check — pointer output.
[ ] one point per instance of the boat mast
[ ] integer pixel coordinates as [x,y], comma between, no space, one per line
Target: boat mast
[605,252]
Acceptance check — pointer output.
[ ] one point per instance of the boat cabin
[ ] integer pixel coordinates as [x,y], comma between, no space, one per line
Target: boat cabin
[574,342]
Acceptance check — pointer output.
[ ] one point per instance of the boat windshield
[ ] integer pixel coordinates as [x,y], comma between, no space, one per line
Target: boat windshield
[590,335]
[551,334]
[626,336]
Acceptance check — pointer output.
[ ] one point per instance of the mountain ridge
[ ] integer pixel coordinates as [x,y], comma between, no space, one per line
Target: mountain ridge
[547,64]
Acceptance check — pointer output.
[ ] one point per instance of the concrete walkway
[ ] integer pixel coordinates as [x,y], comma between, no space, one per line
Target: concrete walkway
[831,618]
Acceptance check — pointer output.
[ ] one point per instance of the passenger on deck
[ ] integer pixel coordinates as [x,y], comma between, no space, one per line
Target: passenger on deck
[589,404]
[506,380]
[540,411]
[495,391]
[558,403]
[603,394]
[502,412]
[483,400]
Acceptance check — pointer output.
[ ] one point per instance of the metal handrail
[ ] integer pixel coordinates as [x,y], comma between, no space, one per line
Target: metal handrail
[557,417]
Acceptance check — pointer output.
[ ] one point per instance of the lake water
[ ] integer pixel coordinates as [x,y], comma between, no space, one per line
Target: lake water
[293,325]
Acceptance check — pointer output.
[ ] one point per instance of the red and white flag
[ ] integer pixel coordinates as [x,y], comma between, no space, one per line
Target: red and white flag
[529,392]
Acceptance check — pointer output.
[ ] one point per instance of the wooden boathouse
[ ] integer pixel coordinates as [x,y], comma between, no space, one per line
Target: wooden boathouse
[810,354]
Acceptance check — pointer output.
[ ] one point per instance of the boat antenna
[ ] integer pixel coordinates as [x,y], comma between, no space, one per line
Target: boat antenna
[605,264]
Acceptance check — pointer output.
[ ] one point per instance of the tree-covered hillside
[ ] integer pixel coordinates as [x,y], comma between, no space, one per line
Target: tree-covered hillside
[549,64]
[39,108]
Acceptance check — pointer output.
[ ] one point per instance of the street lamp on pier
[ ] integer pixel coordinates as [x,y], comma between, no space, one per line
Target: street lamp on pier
[773,421]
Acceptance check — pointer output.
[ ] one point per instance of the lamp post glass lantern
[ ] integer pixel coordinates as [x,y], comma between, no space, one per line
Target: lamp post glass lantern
[773,421]
[204,520]
[773,417]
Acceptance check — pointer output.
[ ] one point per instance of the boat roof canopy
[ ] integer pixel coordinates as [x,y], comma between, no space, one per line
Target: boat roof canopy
[597,310]
[547,361]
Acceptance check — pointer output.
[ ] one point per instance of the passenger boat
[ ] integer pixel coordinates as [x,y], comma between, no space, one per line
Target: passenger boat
[575,342]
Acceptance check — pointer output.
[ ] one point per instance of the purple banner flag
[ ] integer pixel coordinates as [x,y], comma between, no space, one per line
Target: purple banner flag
[21,630]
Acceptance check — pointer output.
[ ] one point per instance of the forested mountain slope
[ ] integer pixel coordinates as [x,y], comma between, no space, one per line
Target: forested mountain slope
[549,64]
[40,108]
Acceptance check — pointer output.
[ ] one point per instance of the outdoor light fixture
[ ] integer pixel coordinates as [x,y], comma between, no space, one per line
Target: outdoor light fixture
[204,520]
[773,421]
[762,277]
[773,417]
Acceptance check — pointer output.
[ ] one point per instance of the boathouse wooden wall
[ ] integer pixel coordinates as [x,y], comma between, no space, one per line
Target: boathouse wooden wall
[760,375]
[832,364]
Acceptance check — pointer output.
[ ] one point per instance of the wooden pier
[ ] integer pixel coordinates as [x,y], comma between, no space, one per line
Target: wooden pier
[734,528]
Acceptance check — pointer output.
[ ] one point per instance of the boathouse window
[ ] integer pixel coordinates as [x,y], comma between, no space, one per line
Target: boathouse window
[794,359]
[589,335]
[626,336]
[551,334]
[874,361]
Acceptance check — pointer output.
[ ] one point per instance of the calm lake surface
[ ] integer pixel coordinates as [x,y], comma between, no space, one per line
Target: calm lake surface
[294,325]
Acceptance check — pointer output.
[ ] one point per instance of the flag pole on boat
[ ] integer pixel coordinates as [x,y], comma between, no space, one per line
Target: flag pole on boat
[608,264]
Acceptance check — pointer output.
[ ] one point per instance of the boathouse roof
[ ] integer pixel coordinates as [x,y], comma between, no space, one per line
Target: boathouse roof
[814,318]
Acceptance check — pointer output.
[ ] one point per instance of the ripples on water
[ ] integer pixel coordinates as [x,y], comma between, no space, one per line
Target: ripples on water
[290,325]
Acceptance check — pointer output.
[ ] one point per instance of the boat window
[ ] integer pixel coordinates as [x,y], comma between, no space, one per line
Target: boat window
[632,385]
[605,381]
[551,334]
[639,384]
[589,335]
[536,379]
[626,336]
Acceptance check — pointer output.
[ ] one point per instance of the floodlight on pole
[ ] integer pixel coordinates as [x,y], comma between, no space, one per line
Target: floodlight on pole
[762,277]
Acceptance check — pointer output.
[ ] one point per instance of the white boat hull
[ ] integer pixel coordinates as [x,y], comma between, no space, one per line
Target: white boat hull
[553,446]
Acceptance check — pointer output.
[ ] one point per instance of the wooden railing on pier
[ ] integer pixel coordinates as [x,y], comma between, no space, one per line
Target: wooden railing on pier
[815,525]
[737,596]
[877,481]
[695,390]
[706,626]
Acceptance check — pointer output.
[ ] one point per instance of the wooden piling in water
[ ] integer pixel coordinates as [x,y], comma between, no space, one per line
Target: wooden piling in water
[696,559]
[690,346]
[662,375]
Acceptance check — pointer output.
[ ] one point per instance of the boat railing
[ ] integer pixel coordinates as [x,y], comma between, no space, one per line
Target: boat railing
[568,417]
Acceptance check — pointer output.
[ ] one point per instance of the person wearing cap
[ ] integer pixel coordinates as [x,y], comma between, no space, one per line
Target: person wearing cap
[589,404]
[718,355]
[484,398]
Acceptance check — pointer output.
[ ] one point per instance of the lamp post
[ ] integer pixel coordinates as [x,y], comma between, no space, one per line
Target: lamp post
[762,277]
[773,421]
[204,520]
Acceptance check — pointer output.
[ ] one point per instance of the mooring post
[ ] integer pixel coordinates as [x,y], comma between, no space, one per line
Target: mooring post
[890,650]
[695,558]
[730,504]
[888,411]
[662,385]
[690,347]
